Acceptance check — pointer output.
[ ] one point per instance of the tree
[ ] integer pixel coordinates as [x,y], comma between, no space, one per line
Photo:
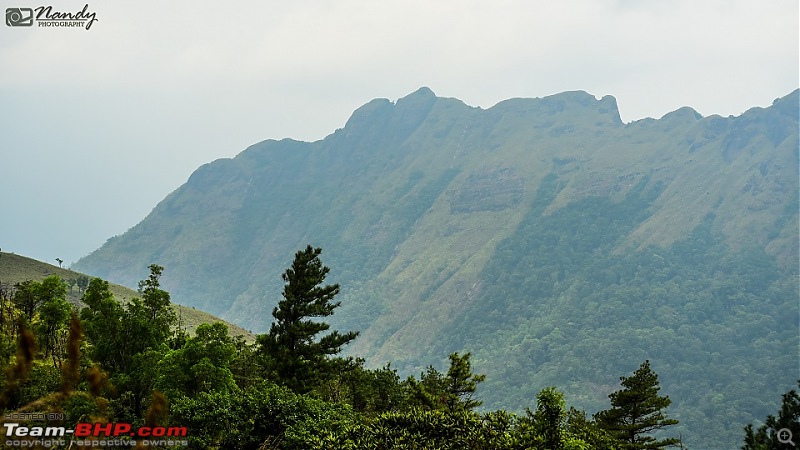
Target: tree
[580,427]
[367,391]
[71,283]
[30,295]
[155,299]
[82,281]
[27,298]
[452,391]
[550,417]
[264,415]
[103,322]
[462,383]
[59,261]
[153,313]
[129,341]
[292,351]
[768,436]
[46,302]
[637,410]
[54,313]
[202,365]
[549,426]
[118,333]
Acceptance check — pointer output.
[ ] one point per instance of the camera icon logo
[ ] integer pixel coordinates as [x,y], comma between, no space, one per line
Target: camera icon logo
[19,17]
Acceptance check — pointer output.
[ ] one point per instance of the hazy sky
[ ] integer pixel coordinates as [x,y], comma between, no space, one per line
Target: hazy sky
[97,126]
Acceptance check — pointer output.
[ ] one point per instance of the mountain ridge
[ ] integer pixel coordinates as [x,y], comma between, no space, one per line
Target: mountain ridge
[229,169]
[424,206]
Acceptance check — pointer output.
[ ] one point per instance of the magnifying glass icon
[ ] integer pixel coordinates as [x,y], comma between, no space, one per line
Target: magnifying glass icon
[785,436]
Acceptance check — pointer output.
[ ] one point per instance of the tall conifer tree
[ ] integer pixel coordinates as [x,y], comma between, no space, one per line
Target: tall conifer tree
[637,410]
[293,353]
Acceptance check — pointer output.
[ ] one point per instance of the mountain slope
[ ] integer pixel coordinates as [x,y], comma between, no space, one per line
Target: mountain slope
[16,269]
[558,244]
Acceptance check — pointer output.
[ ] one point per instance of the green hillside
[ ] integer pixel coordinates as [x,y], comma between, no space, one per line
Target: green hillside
[16,269]
[558,244]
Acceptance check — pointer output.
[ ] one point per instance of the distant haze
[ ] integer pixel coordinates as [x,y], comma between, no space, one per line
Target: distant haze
[99,125]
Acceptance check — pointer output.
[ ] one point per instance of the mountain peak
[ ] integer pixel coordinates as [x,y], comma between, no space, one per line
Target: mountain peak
[423,92]
[685,114]
[568,107]
[422,98]
[403,116]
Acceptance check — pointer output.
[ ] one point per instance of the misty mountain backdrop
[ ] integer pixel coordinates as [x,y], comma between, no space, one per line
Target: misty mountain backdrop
[559,245]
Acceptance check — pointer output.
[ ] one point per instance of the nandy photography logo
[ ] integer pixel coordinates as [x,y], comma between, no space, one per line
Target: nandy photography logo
[46,16]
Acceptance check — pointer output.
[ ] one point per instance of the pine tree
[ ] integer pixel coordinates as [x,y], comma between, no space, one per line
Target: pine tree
[637,410]
[452,391]
[773,433]
[462,383]
[292,351]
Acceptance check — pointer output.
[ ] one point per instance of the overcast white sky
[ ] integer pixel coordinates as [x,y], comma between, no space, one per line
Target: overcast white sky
[97,126]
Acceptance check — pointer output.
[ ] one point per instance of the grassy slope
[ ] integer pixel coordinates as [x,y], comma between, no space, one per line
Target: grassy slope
[448,251]
[15,268]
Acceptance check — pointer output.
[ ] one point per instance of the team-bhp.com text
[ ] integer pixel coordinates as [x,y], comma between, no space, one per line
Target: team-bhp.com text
[123,434]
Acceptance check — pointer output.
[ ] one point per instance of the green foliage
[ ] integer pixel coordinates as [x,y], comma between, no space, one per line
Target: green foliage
[154,309]
[367,391]
[767,436]
[42,380]
[422,429]
[53,316]
[31,295]
[550,418]
[263,414]
[119,333]
[588,431]
[292,350]
[452,391]
[82,407]
[129,341]
[7,349]
[201,365]
[26,298]
[636,411]
[83,282]
[552,427]
[462,383]
[103,324]
[44,305]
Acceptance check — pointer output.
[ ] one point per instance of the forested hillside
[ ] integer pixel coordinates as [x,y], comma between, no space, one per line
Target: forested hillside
[557,244]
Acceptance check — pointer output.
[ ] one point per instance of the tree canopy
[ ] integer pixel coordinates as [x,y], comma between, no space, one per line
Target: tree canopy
[637,410]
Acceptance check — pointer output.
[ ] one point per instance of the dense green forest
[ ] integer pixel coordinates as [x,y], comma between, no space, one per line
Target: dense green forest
[720,323]
[108,362]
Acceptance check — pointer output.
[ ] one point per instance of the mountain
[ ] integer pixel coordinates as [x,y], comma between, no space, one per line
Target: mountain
[16,269]
[558,244]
